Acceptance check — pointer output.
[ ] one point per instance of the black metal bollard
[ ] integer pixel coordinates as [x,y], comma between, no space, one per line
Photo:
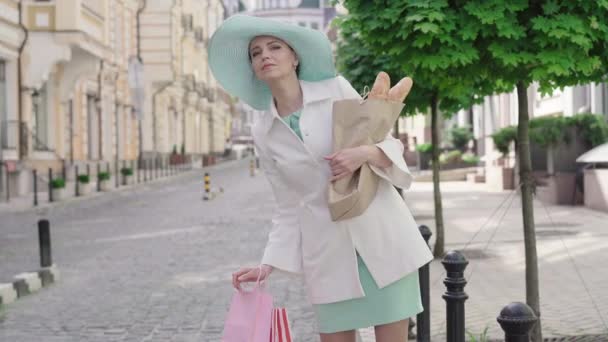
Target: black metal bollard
[138,168]
[423,319]
[88,170]
[455,263]
[77,182]
[156,168]
[116,174]
[98,181]
[44,241]
[35,188]
[51,185]
[8,183]
[517,320]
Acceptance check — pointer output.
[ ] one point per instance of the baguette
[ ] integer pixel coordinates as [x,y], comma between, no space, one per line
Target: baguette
[399,92]
[381,87]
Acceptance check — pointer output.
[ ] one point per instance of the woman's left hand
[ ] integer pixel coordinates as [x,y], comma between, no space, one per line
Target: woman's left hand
[347,161]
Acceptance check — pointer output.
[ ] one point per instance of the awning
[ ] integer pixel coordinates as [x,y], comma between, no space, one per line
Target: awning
[598,154]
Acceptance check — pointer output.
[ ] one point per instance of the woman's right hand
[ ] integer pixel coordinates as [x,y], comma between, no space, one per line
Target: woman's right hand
[250,274]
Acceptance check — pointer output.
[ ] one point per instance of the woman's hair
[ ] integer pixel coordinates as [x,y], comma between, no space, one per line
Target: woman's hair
[290,48]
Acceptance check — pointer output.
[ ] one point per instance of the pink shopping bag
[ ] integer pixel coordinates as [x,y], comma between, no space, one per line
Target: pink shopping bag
[280,332]
[249,317]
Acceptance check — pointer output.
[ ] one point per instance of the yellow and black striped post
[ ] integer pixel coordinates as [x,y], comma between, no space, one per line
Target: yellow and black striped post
[207,195]
[252,167]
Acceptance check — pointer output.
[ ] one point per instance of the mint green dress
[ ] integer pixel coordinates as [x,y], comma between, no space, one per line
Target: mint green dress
[395,302]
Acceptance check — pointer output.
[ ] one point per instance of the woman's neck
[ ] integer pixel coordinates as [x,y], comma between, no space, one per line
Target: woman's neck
[287,95]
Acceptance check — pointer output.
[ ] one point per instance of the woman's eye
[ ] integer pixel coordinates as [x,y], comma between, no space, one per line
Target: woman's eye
[255,54]
[275,47]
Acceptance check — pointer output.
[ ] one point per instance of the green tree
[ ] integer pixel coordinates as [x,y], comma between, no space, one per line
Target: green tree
[427,41]
[506,45]
[553,43]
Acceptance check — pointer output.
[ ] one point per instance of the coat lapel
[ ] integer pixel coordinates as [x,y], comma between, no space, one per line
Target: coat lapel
[278,131]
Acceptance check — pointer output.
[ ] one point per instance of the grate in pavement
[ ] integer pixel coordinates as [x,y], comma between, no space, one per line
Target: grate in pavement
[557,224]
[476,254]
[553,232]
[424,217]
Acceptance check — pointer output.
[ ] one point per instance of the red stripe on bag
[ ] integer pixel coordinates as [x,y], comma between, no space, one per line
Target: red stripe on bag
[286,325]
[279,332]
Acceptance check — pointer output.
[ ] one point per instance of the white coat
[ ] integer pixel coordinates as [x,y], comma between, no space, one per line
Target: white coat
[303,237]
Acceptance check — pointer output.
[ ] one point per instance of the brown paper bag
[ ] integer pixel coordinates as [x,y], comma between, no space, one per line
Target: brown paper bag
[355,123]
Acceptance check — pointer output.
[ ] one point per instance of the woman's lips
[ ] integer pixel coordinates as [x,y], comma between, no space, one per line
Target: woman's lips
[267,66]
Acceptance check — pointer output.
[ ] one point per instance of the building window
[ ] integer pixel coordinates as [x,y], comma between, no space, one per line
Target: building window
[301,23]
[314,25]
[40,118]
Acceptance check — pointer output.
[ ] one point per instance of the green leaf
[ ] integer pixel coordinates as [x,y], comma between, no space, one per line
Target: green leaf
[427,27]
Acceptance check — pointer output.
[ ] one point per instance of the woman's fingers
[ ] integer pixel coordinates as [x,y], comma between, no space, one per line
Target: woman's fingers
[339,176]
[238,275]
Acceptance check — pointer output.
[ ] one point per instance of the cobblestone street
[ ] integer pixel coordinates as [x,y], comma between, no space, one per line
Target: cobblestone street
[153,262]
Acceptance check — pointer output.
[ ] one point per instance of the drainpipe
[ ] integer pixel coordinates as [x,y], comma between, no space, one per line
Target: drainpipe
[98,109]
[139,128]
[20,83]
[138,20]
[154,136]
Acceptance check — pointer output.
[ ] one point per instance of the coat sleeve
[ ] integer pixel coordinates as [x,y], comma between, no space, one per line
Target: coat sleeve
[346,89]
[398,173]
[284,248]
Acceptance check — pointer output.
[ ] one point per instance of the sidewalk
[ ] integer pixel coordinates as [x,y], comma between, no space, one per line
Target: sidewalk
[570,240]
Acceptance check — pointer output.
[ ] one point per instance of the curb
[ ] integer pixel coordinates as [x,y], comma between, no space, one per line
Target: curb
[96,194]
[27,283]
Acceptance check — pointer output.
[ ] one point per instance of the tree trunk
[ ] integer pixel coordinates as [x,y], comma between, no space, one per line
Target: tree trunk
[439,239]
[527,190]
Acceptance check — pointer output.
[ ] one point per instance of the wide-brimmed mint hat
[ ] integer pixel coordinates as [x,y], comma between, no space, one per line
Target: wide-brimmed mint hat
[229,56]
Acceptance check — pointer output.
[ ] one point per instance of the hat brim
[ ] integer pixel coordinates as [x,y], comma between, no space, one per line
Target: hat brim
[229,56]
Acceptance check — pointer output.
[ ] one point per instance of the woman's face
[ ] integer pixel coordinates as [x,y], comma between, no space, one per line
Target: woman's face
[271,58]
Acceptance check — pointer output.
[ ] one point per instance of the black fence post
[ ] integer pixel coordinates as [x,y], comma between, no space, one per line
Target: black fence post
[517,320]
[8,184]
[98,181]
[44,240]
[138,167]
[35,187]
[117,174]
[88,170]
[454,263]
[423,319]
[51,185]
[146,167]
[77,182]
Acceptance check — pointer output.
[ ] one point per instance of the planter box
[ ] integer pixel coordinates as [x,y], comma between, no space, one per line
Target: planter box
[59,194]
[128,180]
[596,189]
[558,189]
[105,185]
[500,178]
[84,188]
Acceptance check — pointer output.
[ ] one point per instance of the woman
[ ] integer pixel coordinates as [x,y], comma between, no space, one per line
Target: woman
[359,272]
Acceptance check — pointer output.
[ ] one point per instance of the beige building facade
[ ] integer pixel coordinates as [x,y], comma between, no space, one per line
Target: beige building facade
[68,100]
[106,82]
[185,112]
